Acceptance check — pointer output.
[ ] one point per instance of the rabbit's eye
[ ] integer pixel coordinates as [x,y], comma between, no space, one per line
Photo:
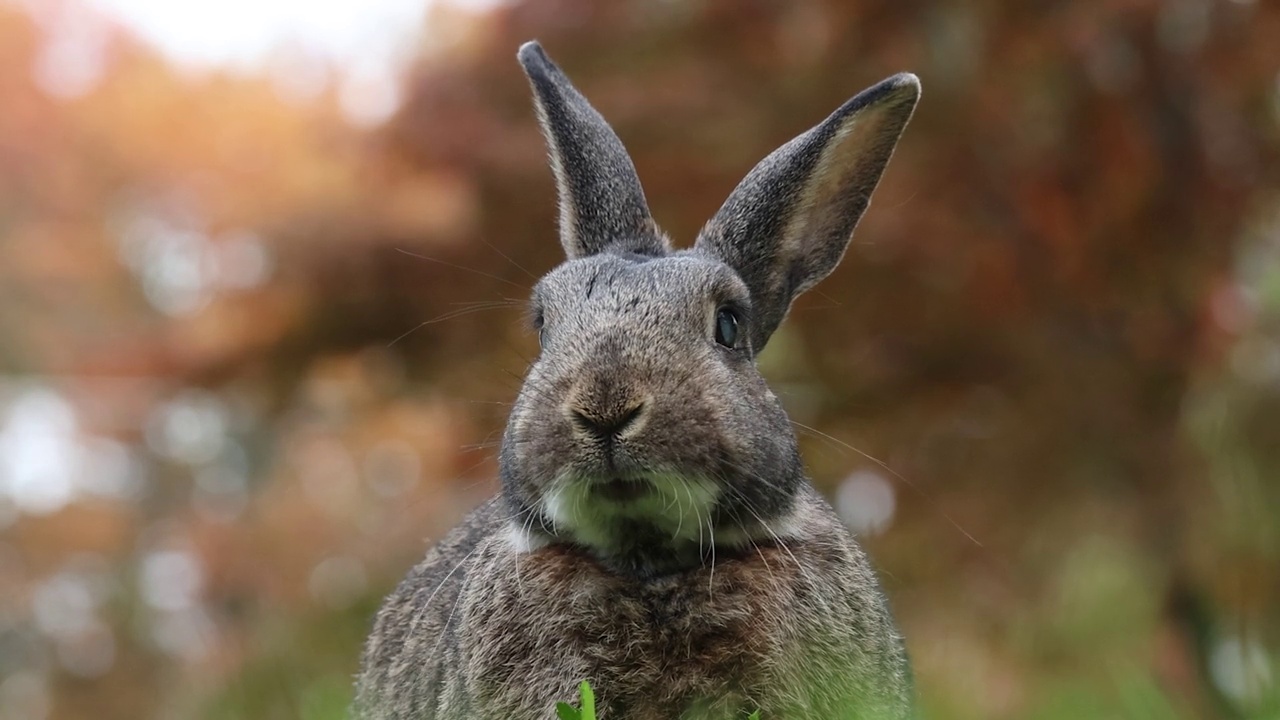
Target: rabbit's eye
[540,326]
[727,328]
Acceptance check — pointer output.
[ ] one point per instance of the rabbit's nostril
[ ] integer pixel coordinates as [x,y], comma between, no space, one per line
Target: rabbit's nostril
[607,425]
[632,414]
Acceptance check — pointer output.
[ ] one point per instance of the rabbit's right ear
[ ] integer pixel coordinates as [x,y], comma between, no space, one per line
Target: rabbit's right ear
[786,226]
[601,203]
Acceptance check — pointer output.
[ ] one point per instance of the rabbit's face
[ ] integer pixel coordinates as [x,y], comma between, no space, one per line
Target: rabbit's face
[644,416]
[643,430]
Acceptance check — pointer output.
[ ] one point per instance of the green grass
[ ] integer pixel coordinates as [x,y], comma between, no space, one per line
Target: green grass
[587,701]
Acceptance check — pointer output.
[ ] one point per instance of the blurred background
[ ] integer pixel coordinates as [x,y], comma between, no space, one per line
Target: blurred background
[261,266]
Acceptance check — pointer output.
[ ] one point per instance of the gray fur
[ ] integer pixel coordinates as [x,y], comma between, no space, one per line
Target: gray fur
[601,202]
[655,533]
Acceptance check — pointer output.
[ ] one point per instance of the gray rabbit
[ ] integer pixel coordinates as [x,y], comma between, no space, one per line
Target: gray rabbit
[655,533]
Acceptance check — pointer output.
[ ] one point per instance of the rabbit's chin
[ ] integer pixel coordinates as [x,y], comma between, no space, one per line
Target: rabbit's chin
[609,515]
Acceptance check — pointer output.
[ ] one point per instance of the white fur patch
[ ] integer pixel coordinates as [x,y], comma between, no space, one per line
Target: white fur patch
[785,527]
[678,506]
[523,541]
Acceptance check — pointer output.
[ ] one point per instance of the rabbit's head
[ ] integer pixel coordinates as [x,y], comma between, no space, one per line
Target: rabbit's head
[644,431]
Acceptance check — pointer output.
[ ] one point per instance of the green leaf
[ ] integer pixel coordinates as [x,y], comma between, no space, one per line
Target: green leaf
[565,711]
[588,701]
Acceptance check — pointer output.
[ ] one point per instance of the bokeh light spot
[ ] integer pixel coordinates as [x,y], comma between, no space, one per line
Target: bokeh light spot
[865,502]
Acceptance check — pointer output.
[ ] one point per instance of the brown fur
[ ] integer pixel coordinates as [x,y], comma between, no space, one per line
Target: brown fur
[769,627]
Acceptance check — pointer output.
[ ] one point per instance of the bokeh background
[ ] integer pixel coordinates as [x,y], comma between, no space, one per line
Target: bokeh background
[260,280]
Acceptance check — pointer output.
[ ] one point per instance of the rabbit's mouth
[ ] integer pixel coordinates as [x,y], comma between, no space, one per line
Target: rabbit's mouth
[612,511]
[620,489]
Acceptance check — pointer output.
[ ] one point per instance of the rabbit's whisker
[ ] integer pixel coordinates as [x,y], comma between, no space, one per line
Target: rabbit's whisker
[463,268]
[504,256]
[679,514]
[778,540]
[462,592]
[421,614]
[449,316]
[885,466]
[527,528]
[711,577]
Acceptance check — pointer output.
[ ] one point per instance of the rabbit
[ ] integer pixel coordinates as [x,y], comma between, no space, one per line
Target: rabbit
[655,533]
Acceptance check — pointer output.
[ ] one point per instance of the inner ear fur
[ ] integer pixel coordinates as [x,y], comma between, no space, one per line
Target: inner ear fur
[788,223]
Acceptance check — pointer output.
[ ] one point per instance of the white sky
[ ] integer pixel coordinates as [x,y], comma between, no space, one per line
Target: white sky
[365,41]
[242,32]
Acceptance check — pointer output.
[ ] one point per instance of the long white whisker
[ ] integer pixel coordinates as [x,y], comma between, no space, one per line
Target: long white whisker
[712,576]
[885,466]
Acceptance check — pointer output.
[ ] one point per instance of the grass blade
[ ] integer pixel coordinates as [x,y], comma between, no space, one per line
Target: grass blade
[588,701]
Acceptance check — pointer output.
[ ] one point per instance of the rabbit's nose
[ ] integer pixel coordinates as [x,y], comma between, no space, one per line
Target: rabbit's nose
[607,423]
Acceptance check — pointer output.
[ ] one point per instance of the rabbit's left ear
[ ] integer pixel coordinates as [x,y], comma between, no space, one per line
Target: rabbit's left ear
[786,226]
[601,203]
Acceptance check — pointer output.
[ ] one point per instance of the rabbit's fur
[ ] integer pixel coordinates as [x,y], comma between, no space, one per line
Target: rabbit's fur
[655,533]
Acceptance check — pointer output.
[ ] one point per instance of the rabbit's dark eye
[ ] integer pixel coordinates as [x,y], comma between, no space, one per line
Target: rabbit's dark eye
[539,325]
[727,327]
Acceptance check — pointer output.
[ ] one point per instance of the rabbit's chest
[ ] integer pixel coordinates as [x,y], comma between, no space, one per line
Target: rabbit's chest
[667,646]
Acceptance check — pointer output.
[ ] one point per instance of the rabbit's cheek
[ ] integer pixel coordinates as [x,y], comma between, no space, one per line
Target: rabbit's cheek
[519,424]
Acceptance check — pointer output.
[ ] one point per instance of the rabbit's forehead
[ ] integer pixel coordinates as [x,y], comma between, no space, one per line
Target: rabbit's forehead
[629,282]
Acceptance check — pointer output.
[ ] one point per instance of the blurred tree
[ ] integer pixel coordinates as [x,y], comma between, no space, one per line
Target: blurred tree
[295,340]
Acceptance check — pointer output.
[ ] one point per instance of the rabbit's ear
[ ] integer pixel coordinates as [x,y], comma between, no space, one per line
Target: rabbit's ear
[601,202]
[786,226]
